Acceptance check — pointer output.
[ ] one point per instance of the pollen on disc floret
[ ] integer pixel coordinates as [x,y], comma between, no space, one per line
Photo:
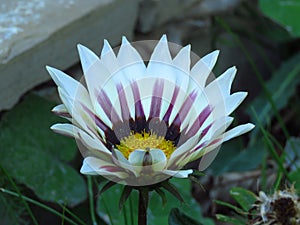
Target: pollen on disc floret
[145,140]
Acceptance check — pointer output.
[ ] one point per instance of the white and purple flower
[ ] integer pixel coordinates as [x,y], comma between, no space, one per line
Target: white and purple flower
[140,124]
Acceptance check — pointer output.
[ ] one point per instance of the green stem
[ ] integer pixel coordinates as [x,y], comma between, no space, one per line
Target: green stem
[91,198]
[38,204]
[143,205]
[20,196]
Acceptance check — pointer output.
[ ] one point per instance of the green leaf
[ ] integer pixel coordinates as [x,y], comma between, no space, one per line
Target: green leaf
[177,217]
[244,197]
[229,220]
[233,157]
[292,153]
[281,86]
[235,208]
[286,13]
[295,179]
[35,156]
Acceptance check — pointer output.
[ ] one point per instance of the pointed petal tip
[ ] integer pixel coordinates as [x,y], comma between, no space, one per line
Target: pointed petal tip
[106,44]
[164,38]
[106,48]
[250,126]
[232,69]
[214,54]
[124,40]
[187,47]
[53,72]
[79,46]
[55,127]
[217,51]
[81,49]
[50,69]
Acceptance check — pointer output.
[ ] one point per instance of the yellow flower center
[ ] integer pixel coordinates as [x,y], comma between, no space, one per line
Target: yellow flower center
[145,140]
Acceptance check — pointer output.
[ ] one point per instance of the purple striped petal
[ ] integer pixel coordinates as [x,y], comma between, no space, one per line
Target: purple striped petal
[111,169]
[62,114]
[97,120]
[172,103]
[139,111]
[123,102]
[109,134]
[107,106]
[199,121]
[185,108]
[205,131]
[156,99]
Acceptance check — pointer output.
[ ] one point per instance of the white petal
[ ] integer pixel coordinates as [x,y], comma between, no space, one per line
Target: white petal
[179,173]
[239,130]
[232,102]
[211,58]
[225,80]
[89,140]
[169,88]
[98,78]
[106,49]
[120,157]
[79,116]
[92,165]
[161,64]
[146,87]
[159,159]
[217,129]
[87,169]
[183,59]
[182,150]
[64,81]
[207,158]
[136,157]
[132,66]
[203,68]
[87,57]
[161,52]
[108,58]
[121,161]
[61,111]
[64,129]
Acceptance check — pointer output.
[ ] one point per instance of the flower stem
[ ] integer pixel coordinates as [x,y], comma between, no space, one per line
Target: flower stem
[143,205]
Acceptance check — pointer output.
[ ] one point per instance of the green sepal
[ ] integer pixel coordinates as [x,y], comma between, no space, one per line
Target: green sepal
[197,173]
[162,195]
[172,189]
[125,194]
[197,181]
[107,186]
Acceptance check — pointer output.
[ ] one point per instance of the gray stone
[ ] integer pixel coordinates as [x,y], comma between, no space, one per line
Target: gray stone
[154,13]
[35,33]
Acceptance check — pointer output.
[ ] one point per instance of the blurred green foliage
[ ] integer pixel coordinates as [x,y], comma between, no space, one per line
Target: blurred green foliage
[285,12]
[35,156]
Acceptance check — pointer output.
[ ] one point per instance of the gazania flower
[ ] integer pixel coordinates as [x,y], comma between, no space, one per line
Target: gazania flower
[141,124]
[282,208]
